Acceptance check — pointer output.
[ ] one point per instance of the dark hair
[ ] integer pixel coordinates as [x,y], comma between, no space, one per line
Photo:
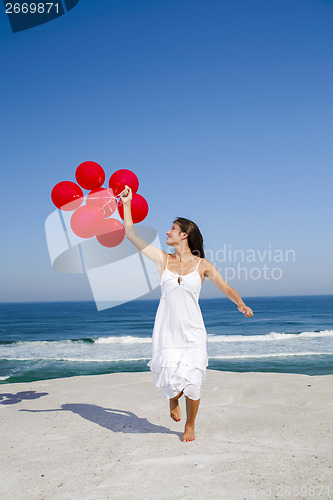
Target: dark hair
[195,239]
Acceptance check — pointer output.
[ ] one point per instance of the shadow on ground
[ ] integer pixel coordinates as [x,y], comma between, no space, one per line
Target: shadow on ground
[7,398]
[113,419]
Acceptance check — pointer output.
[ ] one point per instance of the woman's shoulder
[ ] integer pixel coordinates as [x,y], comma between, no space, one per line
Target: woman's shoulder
[205,266]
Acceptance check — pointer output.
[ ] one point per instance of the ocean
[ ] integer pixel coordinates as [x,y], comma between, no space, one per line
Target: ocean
[46,340]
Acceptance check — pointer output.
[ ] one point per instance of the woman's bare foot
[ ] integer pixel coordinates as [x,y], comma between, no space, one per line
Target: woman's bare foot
[189,433]
[174,409]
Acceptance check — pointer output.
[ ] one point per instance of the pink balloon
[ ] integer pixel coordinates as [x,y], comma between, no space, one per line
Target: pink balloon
[86,221]
[67,195]
[113,233]
[90,175]
[121,177]
[108,210]
[139,208]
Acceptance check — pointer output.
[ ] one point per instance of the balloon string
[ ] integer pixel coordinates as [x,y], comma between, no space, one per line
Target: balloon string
[108,201]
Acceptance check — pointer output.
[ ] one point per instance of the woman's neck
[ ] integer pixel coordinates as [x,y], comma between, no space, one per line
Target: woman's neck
[183,255]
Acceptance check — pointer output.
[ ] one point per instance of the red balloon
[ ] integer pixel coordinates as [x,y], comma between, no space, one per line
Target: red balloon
[86,221]
[121,177]
[67,195]
[139,208]
[113,233]
[90,175]
[104,199]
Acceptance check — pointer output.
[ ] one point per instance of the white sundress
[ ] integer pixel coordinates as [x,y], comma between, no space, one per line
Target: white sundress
[179,342]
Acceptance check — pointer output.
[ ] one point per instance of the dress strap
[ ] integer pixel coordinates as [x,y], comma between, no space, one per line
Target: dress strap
[198,264]
[166,267]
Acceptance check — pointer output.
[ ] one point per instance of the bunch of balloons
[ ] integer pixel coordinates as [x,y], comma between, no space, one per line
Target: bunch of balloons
[93,218]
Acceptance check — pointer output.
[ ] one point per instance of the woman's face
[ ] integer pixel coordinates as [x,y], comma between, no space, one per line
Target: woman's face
[173,235]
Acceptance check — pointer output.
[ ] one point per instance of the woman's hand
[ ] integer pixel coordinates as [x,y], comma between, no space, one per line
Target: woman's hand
[126,195]
[245,310]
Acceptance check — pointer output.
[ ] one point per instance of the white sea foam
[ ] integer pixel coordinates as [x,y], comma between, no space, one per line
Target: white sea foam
[272,355]
[101,360]
[222,338]
[127,348]
[115,359]
[128,339]
[41,342]
[84,360]
[268,336]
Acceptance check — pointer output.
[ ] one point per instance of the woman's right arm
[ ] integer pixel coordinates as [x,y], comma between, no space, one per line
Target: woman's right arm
[155,254]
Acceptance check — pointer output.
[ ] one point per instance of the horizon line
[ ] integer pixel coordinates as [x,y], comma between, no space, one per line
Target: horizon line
[157,299]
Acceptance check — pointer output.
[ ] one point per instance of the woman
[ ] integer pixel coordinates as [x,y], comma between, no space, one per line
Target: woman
[179,355]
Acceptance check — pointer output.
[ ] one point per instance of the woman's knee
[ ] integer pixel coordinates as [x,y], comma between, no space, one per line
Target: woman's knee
[192,391]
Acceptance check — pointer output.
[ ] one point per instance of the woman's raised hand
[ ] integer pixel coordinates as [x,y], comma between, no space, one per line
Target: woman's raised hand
[126,195]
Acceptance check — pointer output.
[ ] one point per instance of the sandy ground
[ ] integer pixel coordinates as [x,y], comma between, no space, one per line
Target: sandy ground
[258,435]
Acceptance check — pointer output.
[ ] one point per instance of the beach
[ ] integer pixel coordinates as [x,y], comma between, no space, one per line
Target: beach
[258,435]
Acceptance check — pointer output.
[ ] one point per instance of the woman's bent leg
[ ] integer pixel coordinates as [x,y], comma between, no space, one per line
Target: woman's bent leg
[174,407]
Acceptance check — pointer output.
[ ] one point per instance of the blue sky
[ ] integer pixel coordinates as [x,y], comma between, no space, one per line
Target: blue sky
[223,109]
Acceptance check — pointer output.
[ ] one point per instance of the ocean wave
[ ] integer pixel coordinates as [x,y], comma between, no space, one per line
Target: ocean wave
[272,355]
[84,360]
[268,336]
[128,339]
[222,338]
[120,360]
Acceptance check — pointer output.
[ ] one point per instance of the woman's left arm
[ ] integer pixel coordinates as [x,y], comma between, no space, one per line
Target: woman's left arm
[212,273]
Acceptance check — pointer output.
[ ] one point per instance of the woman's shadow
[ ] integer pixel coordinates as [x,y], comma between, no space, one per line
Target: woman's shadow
[113,419]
